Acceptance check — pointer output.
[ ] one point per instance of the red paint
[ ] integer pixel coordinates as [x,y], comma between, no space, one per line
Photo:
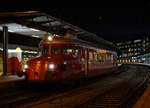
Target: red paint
[66,66]
[14,65]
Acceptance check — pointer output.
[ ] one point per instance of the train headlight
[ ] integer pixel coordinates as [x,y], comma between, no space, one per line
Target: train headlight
[26,66]
[51,66]
[65,62]
[50,38]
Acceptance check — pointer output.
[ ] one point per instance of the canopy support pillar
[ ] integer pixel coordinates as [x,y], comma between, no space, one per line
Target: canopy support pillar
[5,50]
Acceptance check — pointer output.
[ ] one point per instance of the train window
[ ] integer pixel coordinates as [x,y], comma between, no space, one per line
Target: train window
[76,52]
[54,50]
[109,58]
[95,56]
[99,58]
[40,51]
[45,50]
[66,50]
[102,58]
[90,56]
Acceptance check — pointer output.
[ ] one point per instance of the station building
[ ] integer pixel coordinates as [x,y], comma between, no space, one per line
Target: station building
[134,51]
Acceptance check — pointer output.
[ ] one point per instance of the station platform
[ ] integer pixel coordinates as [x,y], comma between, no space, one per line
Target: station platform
[10,78]
[144,101]
[10,83]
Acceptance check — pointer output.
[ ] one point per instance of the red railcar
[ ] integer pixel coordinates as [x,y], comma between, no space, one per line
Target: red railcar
[67,59]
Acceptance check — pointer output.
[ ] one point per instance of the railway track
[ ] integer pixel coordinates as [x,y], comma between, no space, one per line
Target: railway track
[110,91]
[26,94]
[119,96]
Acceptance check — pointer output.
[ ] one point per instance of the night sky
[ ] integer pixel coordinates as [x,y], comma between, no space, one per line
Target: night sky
[112,22]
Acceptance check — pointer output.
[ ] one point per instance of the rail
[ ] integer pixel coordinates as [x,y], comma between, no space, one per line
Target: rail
[102,91]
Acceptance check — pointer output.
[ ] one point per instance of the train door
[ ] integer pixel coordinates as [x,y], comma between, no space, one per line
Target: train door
[86,62]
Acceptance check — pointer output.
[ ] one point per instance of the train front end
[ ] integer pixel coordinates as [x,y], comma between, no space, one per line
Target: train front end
[49,65]
[42,69]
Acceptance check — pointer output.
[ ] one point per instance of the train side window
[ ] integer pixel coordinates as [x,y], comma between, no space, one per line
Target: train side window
[95,56]
[100,58]
[77,52]
[45,50]
[66,50]
[112,58]
[90,56]
[108,58]
[54,50]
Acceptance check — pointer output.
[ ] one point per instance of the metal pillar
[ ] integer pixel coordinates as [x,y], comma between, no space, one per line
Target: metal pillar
[5,50]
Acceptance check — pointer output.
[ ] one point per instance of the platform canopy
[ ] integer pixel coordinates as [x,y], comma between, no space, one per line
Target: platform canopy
[37,24]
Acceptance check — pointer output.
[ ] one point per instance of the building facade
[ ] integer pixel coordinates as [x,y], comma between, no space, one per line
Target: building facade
[133,51]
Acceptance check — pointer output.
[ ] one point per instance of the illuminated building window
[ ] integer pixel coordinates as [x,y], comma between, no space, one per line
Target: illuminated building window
[129,49]
[147,39]
[139,44]
[123,61]
[118,43]
[135,49]
[135,41]
[143,44]
[120,61]
[139,49]
[129,42]
[128,60]
[147,44]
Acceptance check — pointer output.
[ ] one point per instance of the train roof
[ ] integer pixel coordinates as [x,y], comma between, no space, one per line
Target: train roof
[76,41]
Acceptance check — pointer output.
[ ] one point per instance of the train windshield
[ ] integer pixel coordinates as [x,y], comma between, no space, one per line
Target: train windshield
[54,50]
[66,50]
